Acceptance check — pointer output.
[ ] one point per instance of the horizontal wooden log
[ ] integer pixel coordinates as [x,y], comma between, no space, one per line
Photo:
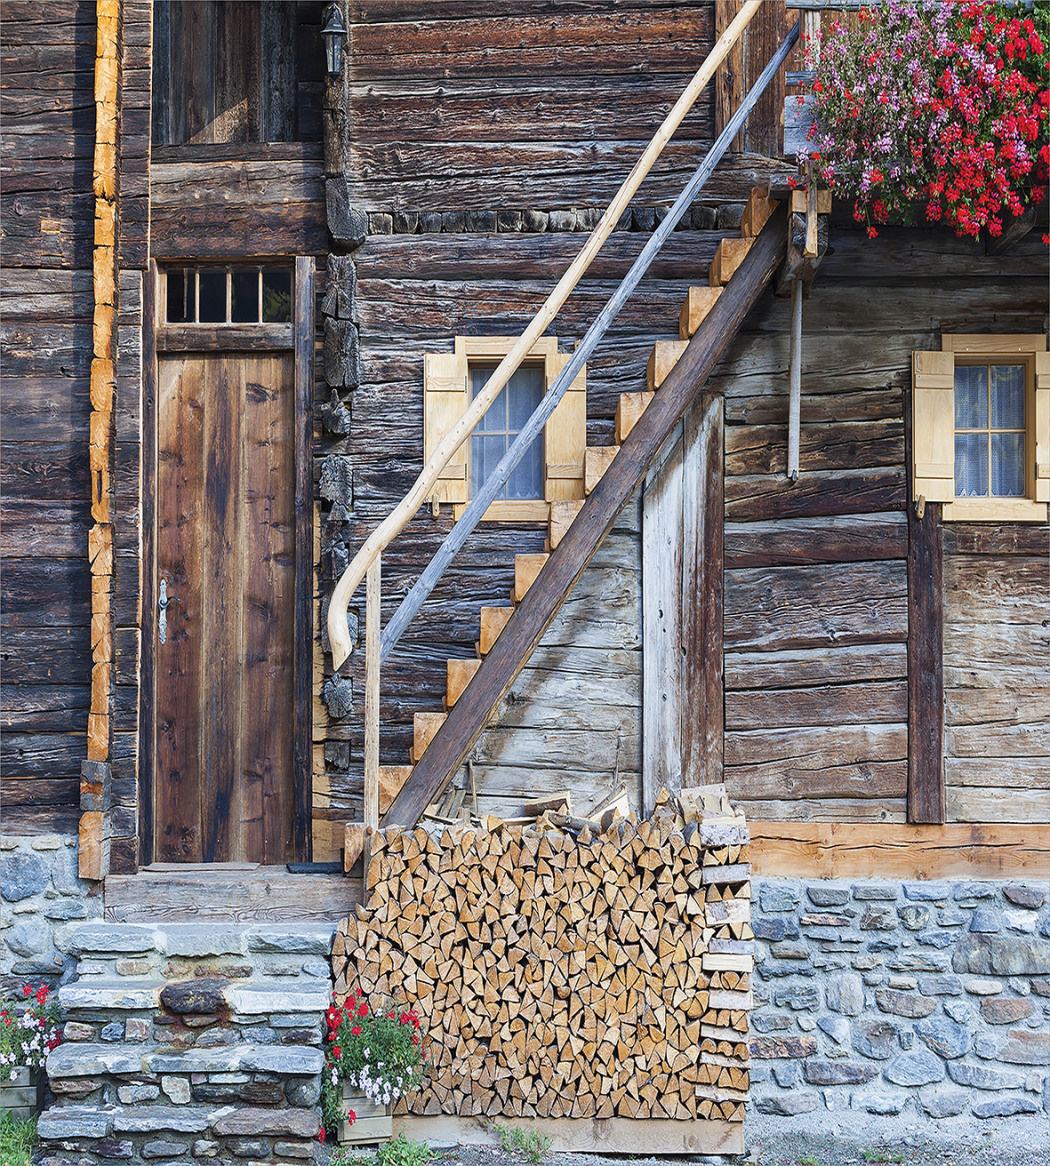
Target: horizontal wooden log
[42,755]
[762,449]
[827,492]
[966,804]
[41,792]
[36,527]
[884,702]
[989,539]
[34,820]
[41,592]
[815,666]
[840,850]
[44,708]
[835,539]
[46,655]
[1004,774]
[981,589]
[826,809]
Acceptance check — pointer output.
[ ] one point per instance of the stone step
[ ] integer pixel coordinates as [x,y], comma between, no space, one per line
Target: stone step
[197,940]
[263,994]
[123,1059]
[102,1121]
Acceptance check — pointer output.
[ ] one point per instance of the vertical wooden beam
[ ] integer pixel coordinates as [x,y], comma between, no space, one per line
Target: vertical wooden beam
[302,666]
[729,79]
[763,131]
[147,644]
[373,599]
[925,656]
[702,624]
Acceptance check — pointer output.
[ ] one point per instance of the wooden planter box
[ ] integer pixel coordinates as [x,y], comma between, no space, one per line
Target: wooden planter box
[21,1097]
[373,1123]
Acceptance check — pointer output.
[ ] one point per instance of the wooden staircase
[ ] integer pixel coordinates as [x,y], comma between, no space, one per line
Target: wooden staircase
[402,787]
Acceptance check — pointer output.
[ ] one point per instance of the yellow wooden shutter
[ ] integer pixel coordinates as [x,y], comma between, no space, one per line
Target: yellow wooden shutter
[933,426]
[1042,427]
[445,400]
[565,436]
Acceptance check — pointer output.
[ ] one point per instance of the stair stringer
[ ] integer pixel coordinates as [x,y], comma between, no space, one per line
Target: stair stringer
[466,720]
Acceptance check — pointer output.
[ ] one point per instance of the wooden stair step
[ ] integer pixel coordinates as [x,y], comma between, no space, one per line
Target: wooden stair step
[391,779]
[458,676]
[563,515]
[759,208]
[698,302]
[664,357]
[728,257]
[424,726]
[629,408]
[526,568]
[596,460]
[493,621]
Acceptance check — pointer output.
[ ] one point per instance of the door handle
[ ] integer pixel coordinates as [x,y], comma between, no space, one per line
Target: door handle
[163,603]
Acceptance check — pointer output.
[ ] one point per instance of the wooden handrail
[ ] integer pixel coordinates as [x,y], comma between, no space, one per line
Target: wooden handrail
[395,522]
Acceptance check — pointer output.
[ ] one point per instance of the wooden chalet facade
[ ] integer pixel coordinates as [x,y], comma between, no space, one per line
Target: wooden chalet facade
[238,295]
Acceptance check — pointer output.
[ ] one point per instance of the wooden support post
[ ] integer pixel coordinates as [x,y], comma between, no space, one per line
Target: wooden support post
[373,597]
[795,380]
[925,667]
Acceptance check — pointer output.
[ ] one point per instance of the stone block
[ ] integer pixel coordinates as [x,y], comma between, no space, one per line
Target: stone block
[879,892]
[778,897]
[293,1149]
[914,917]
[148,1119]
[75,1121]
[885,1104]
[1023,921]
[1025,895]
[927,892]
[879,919]
[981,1077]
[132,1094]
[114,1149]
[875,1038]
[262,999]
[822,896]
[1005,1009]
[1026,1048]
[983,987]
[763,1021]
[769,1047]
[817,1072]
[89,1060]
[249,1147]
[945,1037]
[306,939]
[111,938]
[916,1067]
[788,1104]
[136,1029]
[845,994]
[940,1103]
[195,996]
[903,1003]
[1004,1107]
[176,1089]
[74,1031]
[161,1148]
[22,876]
[200,939]
[100,994]
[986,920]
[837,1028]
[787,1076]
[204,1148]
[940,986]
[295,1123]
[797,997]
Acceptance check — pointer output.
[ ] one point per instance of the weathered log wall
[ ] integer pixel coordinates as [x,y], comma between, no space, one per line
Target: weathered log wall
[46,223]
[816,612]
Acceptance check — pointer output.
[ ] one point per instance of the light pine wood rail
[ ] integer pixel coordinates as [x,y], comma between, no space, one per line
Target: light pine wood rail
[396,521]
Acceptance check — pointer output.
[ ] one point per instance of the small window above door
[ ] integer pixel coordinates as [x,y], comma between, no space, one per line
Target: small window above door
[227,295]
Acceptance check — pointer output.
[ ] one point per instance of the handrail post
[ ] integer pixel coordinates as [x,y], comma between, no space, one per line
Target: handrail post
[373,598]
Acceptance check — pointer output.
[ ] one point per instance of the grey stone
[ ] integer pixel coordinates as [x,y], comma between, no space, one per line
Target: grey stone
[1005,1009]
[885,892]
[763,1021]
[66,909]
[90,1061]
[114,1149]
[797,997]
[296,1123]
[242,1058]
[1024,895]
[827,896]
[969,890]
[818,1072]
[1001,955]
[887,1104]
[261,1093]
[787,1076]
[782,951]
[986,919]
[938,939]
[775,929]
[986,1047]
[75,1121]
[879,919]
[845,993]
[1023,921]
[772,1047]
[176,1089]
[981,1077]
[876,1039]
[950,918]
[906,1038]
[945,1102]
[788,1104]
[28,937]
[825,921]
[318,968]
[203,1148]
[915,918]
[807,1023]
[940,986]
[774,897]
[217,1037]
[112,938]
[113,1032]
[131,1094]
[306,939]
[22,876]
[776,969]
[147,1119]
[249,1147]
[946,1038]
[1026,1048]
[302,1091]
[983,987]
[65,876]
[918,961]
[1005,1107]
[293,1150]
[903,1003]
[200,939]
[836,1027]
[159,1148]
[927,892]
[196,996]
[917,1067]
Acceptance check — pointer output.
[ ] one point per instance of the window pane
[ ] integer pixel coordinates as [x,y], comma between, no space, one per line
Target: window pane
[180,297]
[526,392]
[971,397]
[212,297]
[486,450]
[971,465]
[277,296]
[527,479]
[1007,397]
[1008,465]
[244,306]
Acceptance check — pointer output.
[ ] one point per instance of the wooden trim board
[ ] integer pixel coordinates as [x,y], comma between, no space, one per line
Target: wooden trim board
[612,1135]
[855,850]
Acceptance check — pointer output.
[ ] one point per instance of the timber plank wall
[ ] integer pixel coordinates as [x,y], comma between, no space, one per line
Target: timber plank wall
[47,214]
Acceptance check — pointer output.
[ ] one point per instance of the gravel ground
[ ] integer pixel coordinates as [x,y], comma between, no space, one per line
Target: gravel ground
[818,1141]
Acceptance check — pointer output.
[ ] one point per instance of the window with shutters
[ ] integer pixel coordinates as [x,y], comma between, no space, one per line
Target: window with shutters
[552,469]
[981,427]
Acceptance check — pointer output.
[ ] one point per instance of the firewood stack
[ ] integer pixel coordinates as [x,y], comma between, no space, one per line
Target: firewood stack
[567,972]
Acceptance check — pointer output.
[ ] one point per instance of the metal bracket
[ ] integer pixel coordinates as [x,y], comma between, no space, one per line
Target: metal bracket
[164,601]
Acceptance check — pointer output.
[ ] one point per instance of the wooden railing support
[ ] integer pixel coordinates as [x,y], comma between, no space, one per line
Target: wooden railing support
[373,602]
[395,522]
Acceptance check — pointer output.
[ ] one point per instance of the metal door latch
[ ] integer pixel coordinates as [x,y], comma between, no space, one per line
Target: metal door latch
[163,603]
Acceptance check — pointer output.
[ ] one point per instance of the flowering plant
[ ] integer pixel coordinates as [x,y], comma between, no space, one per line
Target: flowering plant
[29,1030]
[380,1052]
[943,105]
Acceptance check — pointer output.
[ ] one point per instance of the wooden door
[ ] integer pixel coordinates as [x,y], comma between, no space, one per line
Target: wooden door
[224,788]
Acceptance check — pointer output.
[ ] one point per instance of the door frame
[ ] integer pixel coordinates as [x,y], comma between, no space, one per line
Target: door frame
[301,340]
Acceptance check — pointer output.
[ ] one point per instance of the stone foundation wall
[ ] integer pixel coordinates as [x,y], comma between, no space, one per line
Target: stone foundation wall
[40,892]
[926,1000]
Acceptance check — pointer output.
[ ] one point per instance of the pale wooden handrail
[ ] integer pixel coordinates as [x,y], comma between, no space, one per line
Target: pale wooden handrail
[395,522]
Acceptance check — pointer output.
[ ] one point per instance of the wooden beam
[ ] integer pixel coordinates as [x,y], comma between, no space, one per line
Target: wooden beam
[147,646]
[302,620]
[568,561]
[860,850]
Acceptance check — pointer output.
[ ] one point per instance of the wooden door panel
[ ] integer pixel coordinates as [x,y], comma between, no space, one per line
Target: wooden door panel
[225,679]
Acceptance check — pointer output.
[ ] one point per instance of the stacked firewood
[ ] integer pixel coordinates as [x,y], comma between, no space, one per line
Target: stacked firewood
[567,972]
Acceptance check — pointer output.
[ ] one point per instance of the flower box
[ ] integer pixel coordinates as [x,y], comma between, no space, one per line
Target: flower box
[373,1123]
[20,1096]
